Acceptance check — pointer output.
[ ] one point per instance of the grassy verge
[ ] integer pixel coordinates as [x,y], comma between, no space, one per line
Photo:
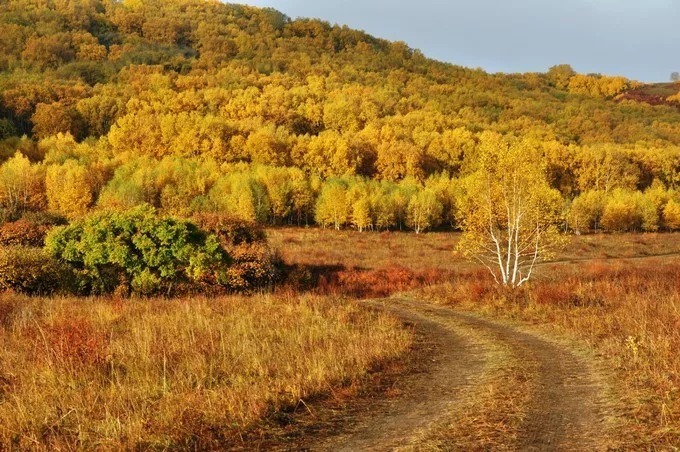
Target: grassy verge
[192,373]
[629,311]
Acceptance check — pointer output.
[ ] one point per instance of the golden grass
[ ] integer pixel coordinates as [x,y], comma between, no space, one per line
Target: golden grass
[191,373]
[199,373]
[629,311]
[367,250]
[418,252]
[490,415]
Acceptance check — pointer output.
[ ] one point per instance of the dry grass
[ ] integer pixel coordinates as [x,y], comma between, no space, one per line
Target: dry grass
[201,373]
[425,252]
[366,251]
[490,416]
[629,311]
[191,374]
[607,290]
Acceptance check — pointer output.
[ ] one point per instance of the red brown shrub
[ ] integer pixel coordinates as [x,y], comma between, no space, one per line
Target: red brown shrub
[22,233]
[29,230]
[254,263]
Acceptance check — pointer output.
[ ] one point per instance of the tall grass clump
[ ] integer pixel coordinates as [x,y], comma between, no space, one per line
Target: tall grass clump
[184,374]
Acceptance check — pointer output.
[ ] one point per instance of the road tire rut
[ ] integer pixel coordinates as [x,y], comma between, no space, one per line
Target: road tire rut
[565,411]
[425,397]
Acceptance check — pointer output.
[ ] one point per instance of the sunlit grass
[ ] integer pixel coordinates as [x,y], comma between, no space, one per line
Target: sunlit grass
[192,373]
[629,311]
[436,250]
[599,292]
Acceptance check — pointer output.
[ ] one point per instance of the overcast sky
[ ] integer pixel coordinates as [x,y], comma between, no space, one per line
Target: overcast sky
[636,38]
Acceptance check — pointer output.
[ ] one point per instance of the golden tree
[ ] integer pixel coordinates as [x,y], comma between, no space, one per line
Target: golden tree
[671,215]
[68,189]
[508,211]
[21,184]
[424,211]
[332,206]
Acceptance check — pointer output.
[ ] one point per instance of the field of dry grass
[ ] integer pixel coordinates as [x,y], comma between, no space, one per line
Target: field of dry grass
[627,311]
[205,373]
[608,292]
[420,252]
[188,374]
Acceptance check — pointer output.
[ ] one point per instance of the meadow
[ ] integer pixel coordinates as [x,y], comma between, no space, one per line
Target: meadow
[616,294]
[626,311]
[163,134]
[182,374]
[437,250]
[206,373]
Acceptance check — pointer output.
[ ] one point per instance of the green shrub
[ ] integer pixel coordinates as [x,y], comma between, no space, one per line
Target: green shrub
[139,250]
[33,272]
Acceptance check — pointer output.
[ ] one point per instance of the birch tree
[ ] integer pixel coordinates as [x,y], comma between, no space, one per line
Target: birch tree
[508,212]
[424,211]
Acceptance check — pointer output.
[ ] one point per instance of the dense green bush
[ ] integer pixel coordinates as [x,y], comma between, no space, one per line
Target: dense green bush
[33,272]
[138,251]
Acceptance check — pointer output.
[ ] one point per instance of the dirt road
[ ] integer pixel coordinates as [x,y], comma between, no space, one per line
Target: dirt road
[562,410]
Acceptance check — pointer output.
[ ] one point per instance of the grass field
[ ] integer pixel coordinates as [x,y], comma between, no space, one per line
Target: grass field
[618,294]
[436,250]
[209,373]
[627,311]
[187,374]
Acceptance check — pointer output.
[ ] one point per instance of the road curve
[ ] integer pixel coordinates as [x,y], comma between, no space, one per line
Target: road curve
[564,411]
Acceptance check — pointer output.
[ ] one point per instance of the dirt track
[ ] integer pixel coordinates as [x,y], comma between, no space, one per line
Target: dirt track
[563,411]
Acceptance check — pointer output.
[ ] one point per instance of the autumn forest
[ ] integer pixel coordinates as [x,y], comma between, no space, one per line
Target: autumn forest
[224,228]
[195,106]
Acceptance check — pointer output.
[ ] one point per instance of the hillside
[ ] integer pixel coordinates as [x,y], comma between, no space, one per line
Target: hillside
[96,93]
[653,94]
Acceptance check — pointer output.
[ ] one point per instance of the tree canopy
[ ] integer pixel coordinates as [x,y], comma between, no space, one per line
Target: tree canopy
[199,105]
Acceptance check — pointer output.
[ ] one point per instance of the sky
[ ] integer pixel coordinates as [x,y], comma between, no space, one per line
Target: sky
[634,38]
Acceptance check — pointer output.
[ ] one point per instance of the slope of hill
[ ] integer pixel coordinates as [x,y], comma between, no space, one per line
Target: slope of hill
[653,94]
[104,89]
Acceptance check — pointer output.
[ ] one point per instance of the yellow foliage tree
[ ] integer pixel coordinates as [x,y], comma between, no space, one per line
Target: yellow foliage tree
[508,212]
[424,211]
[586,211]
[68,189]
[671,215]
[361,214]
[332,207]
[21,185]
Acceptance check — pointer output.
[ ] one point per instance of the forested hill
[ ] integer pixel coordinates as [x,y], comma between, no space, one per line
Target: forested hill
[102,90]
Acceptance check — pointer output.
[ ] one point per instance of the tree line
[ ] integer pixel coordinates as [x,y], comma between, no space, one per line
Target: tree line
[201,106]
[604,189]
